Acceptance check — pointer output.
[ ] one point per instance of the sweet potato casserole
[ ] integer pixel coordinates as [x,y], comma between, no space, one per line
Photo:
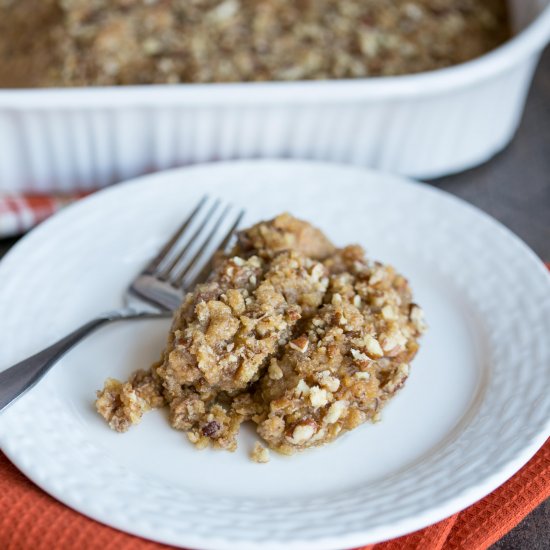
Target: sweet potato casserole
[45,43]
[306,340]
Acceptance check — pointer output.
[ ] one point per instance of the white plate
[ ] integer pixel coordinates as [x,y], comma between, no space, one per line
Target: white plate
[474,410]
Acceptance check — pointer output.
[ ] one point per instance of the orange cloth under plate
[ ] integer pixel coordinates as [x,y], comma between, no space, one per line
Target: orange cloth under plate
[31,519]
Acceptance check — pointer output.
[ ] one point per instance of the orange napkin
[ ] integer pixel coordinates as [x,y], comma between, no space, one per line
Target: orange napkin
[31,519]
[19,213]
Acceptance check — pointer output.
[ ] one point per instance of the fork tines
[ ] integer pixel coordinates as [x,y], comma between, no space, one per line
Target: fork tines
[186,258]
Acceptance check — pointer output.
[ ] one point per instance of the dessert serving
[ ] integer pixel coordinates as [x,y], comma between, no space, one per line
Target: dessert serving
[45,43]
[304,339]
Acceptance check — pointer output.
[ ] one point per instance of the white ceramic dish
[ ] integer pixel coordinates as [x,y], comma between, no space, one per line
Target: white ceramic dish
[424,125]
[474,410]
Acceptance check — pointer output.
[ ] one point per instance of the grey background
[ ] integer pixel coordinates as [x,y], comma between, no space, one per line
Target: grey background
[514,187]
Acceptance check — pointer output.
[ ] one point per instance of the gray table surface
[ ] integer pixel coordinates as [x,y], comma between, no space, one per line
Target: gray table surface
[514,187]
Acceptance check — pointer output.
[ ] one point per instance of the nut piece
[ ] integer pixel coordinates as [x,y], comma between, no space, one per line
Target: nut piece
[389,313]
[373,347]
[358,356]
[318,397]
[300,344]
[259,454]
[302,433]
[274,371]
[335,412]
[377,275]
[416,315]
[317,272]
[302,388]
[331,383]
[393,341]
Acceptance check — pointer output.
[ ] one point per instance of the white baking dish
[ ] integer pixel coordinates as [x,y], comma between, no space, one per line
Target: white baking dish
[424,125]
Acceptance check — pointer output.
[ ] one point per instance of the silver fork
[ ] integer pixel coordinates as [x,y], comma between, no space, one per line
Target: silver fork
[156,291]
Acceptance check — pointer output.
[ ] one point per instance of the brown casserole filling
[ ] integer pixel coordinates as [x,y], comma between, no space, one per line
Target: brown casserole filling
[306,340]
[109,42]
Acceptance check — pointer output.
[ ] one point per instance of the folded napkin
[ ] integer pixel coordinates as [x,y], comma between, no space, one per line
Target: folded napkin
[19,213]
[31,519]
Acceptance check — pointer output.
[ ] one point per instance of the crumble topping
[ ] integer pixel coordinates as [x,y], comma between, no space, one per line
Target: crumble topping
[260,454]
[305,340]
[120,42]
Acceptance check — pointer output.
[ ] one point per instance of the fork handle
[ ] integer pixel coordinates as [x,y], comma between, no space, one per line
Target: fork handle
[16,380]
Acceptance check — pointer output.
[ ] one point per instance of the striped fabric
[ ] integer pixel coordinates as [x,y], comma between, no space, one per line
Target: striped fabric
[19,213]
